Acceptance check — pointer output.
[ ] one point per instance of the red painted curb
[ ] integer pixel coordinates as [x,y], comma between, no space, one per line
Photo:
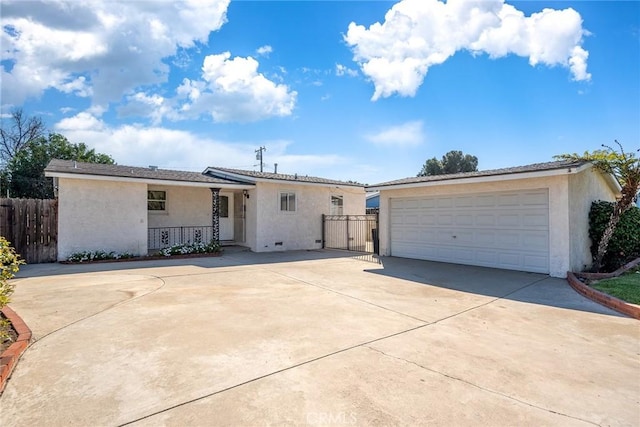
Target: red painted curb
[602,298]
[9,358]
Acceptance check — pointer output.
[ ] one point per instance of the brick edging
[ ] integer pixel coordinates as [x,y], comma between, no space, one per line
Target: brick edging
[9,358]
[602,298]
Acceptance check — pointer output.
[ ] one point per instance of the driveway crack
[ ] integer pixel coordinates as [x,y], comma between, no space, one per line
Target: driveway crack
[479,387]
[117,304]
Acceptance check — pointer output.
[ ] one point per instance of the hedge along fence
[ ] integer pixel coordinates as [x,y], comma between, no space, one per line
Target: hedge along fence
[625,243]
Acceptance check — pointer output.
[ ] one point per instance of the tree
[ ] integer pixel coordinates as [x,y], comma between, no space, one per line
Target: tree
[26,169]
[16,132]
[625,167]
[452,162]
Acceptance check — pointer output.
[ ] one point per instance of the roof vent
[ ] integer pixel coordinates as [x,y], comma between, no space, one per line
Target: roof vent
[153,168]
[295,176]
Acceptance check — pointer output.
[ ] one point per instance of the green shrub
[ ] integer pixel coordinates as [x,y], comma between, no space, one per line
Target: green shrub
[9,265]
[625,243]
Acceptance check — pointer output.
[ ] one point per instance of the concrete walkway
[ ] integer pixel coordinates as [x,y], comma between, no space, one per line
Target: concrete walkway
[316,338]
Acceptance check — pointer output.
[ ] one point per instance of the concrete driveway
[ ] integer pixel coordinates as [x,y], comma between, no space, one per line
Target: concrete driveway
[316,338]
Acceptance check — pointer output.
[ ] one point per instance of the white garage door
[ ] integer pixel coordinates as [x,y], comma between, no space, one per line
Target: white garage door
[504,230]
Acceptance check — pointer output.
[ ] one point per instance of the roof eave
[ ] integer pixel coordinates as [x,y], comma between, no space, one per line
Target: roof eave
[483,179]
[230,175]
[238,186]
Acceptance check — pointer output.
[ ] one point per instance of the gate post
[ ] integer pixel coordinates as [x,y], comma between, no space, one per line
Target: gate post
[323,229]
[348,238]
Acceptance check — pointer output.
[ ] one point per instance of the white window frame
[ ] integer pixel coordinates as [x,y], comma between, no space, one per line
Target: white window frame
[288,195]
[339,207]
[157,200]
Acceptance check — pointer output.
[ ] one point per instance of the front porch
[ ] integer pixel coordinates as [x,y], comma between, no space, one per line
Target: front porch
[181,215]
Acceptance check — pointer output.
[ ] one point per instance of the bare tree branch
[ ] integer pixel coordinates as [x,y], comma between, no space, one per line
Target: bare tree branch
[17,131]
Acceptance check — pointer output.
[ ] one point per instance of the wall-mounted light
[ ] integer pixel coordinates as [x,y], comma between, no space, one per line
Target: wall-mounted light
[245,193]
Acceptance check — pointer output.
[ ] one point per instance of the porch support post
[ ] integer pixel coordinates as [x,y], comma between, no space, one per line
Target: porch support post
[215,214]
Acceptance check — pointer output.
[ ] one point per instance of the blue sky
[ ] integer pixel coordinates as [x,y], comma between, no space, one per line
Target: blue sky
[352,90]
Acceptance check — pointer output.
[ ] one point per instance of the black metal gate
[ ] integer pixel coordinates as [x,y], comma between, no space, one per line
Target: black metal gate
[351,232]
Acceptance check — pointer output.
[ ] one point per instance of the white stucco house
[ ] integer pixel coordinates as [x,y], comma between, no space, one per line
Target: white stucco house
[137,210]
[529,218]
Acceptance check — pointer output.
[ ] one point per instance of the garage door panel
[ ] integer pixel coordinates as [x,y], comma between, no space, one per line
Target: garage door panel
[428,203]
[444,202]
[464,219]
[507,240]
[485,239]
[536,240]
[486,219]
[508,200]
[535,219]
[464,202]
[536,263]
[533,199]
[466,238]
[508,220]
[427,219]
[503,230]
[485,201]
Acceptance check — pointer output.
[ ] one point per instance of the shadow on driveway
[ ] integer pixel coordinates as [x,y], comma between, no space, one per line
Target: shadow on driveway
[532,288]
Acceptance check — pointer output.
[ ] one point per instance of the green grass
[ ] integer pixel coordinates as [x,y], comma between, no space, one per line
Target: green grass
[625,287]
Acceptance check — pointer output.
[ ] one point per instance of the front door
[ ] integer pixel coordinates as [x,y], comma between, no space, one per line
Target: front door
[226,216]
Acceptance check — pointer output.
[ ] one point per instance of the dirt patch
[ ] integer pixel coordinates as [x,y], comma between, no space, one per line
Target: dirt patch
[13,336]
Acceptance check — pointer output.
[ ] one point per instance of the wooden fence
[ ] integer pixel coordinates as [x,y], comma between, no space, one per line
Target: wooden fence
[31,225]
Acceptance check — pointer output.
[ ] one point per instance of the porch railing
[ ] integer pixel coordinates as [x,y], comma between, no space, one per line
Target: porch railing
[163,237]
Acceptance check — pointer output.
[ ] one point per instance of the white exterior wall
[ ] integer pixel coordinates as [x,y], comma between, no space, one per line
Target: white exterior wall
[186,206]
[301,229]
[559,230]
[101,215]
[584,188]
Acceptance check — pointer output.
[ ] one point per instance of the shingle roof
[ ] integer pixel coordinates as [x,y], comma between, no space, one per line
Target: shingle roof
[70,166]
[221,172]
[536,167]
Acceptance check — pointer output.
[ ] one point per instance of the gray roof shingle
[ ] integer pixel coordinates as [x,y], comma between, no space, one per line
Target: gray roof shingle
[536,167]
[279,177]
[70,166]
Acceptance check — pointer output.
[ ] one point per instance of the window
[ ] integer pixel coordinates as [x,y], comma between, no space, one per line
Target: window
[224,207]
[336,205]
[156,200]
[287,202]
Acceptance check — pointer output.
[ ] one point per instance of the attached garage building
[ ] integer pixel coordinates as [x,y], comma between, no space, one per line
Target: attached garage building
[529,218]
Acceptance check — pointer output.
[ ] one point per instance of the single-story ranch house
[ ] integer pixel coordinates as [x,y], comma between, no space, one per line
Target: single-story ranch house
[529,218]
[138,210]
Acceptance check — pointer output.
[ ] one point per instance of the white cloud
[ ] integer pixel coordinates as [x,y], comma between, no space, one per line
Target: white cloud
[264,50]
[342,70]
[232,89]
[177,149]
[99,49]
[417,34]
[154,106]
[408,134]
